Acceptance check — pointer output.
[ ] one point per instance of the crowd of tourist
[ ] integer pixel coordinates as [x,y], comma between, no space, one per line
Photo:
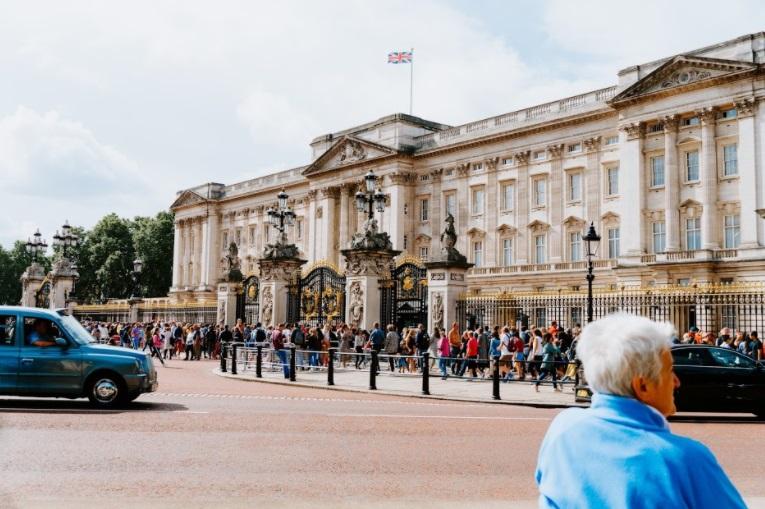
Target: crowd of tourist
[523,353]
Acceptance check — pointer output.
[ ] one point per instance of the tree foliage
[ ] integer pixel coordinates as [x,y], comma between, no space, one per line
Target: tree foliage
[104,259]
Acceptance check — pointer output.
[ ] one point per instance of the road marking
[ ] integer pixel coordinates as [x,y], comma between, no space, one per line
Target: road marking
[407,416]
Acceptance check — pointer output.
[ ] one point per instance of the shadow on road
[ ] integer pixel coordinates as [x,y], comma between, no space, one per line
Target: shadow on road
[717,419]
[81,407]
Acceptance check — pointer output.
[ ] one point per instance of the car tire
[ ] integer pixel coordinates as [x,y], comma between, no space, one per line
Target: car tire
[760,412]
[106,390]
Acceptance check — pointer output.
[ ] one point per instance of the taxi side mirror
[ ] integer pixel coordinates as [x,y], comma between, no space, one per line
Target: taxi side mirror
[63,343]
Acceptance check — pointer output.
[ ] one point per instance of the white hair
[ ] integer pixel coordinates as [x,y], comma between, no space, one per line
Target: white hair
[619,347]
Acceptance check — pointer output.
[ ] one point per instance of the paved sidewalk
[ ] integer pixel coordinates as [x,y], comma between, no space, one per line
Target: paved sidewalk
[453,388]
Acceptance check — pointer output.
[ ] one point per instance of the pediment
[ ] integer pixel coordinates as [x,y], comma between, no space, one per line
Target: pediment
[690,204]
[573,222]
[610,218]
[505,229]
[684,72]
[476,232]
[187,198]
[346,151]
[422,238]
[538,225]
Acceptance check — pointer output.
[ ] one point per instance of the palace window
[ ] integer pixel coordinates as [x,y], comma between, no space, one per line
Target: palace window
[732,231]
[730,160]
[731,113]
[691,121]
[507,252]
[477,201]
[575,186]
[612,181]
[424,209]
[540,192]
[266,233]
[656,128]
[692,166]
[693,234]
[613,242]
[299,228]
[612,140]
[507,161]
[450,204]
[477,166]
[238,237]
[574,147]
[406,241]
[225,240]
[657,171]
[508,196]
[540,155]
[424,253]
[478,253]
[659,237]
[252,236]
[539,249]
[575,246]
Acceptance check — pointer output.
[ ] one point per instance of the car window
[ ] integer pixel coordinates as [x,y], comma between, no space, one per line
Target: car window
[40,332]
[7,330]
[730,359]
[690,357]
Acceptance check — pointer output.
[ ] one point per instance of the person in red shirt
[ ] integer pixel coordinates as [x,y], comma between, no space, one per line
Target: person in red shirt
[471,355]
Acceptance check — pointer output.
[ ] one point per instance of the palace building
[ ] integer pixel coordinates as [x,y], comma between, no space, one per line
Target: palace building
[668,164]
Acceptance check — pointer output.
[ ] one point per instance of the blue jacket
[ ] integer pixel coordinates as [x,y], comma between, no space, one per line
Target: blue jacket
[377,338]
[621,453]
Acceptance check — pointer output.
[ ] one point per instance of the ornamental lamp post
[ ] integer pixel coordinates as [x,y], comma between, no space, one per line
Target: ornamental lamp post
[137,269]
[281,217]
[66,239]
[592,240]
[372,199]
[36,246]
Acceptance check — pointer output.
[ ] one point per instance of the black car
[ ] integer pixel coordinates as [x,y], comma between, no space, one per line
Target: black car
[712,379]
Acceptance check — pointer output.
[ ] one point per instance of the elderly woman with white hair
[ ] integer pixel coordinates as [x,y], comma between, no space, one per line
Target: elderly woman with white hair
[620,451]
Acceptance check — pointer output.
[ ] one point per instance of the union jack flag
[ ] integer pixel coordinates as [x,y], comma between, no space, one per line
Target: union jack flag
[400,57]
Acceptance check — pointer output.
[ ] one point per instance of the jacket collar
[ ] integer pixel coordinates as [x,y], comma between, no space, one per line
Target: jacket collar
[628,411]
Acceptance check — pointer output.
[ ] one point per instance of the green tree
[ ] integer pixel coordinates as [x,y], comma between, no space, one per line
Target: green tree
[13,263]
[153,241]
[106,260]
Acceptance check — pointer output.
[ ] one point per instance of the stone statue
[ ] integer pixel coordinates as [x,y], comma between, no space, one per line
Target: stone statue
[233,267]
[449,253]
[267,313]
[280,249]
[438,311]
[370,238]
[352,151]
[356,306]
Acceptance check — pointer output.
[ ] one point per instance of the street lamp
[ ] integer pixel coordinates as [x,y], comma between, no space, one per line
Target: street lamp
[592,241]
[65,239]
[36,246]
[372,199]
[281,217]
[137,269]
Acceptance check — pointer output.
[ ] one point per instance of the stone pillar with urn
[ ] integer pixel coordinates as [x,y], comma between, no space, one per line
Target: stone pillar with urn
[368,260]
[446,280]
[230,287]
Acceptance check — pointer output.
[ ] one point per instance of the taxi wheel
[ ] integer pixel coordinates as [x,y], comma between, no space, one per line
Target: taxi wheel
[106,391]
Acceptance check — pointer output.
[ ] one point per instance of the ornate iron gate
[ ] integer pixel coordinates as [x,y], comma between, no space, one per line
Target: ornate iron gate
[404,297]
[248,303]
[318,298]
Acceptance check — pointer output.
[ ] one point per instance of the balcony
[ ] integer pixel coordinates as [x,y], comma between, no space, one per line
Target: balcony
[540,268]
[520,119]
[698,255]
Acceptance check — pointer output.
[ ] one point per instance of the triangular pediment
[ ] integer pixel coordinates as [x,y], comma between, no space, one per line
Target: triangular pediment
[187,198]
[684,72]
[574,222]
[348,150]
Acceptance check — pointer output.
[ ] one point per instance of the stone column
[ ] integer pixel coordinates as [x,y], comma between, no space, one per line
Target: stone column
[592,178]
[177,255]
[748,176]
[364,270]
[556,200]
[671,183]
[276,274]
[343,237]
[400,192]
[631,189]
[198,260]
[436,201]
[521,249]
[492,190]
[328,234]
[446,283]
[463,204]
[210,250]
[709,227]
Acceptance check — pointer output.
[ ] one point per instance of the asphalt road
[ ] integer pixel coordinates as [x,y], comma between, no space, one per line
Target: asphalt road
[205,441]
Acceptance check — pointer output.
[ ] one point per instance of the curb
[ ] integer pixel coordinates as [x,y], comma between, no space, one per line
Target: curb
[516,402]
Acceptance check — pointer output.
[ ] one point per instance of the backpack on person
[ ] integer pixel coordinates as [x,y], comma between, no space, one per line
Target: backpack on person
[423,341]
[260,335]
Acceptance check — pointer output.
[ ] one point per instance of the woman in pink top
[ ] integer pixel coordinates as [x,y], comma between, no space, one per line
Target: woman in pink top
[444,350]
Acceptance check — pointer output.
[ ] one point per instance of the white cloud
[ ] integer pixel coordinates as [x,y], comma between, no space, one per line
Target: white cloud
[55,169]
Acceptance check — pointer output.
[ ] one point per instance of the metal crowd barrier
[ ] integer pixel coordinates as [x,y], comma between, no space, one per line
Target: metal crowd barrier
[236,358]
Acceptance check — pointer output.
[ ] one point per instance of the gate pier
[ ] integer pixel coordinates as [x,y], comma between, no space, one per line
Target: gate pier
[276,276]
[364,270]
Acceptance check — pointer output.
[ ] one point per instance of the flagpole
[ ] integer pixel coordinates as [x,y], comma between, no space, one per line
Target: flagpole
[411,82]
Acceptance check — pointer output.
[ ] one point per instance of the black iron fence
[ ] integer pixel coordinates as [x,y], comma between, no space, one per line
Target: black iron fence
[707,307]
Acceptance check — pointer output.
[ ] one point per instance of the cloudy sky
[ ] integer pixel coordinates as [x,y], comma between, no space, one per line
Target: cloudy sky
[113,107]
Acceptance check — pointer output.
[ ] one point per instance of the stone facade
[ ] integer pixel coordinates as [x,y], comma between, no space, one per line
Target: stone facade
[668,164]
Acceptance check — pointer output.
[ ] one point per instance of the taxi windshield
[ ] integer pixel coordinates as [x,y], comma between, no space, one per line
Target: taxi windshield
[76,330]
